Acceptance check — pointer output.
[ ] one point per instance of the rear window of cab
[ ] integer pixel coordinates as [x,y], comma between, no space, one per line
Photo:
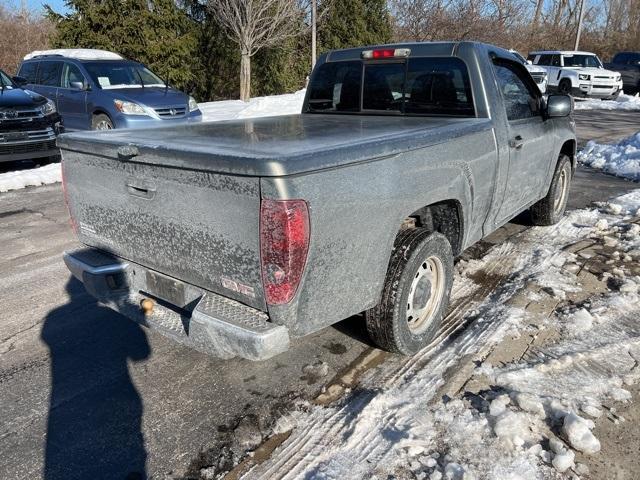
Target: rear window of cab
[417,86]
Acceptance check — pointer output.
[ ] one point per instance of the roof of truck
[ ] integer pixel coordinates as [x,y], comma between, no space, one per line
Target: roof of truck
[417,49]
[75,53]
[560,52]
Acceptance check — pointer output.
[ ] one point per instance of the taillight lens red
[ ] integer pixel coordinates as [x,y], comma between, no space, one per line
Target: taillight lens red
[386,53]
[284,244]
[72,221]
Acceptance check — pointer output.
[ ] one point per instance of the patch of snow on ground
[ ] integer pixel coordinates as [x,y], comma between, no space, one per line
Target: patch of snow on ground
[621,159]
[394,425]
[623,102]
[30,178]
[256,107]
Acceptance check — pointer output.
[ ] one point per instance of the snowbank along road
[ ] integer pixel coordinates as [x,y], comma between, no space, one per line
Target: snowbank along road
[88,394]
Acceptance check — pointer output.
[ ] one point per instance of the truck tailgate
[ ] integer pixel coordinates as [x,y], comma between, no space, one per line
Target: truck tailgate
[199,227]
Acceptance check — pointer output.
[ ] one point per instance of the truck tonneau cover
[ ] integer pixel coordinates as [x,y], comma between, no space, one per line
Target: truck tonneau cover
[275,146]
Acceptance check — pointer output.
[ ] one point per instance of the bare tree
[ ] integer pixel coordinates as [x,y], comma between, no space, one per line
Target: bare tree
[22,32]
[256,24]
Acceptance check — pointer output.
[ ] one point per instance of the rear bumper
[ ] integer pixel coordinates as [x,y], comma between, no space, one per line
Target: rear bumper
[208,322]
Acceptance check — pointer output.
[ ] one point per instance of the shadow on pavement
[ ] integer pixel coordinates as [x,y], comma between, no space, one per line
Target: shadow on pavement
[20,165]
[95,412]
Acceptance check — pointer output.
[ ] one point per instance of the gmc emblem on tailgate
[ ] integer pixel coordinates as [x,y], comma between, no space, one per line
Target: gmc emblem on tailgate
[238,287]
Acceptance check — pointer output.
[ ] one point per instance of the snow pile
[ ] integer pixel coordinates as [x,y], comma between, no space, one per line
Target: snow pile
[538,411]
[623,102]
[621,159]
[256,107]
[30,178]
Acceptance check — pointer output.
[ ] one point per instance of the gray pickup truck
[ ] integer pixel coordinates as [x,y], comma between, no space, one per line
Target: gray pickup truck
[234,237]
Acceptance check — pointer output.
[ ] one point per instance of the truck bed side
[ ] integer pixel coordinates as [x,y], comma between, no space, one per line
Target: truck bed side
[352,235]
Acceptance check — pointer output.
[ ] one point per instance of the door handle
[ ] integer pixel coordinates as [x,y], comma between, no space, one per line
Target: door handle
[140,188]
[516,142]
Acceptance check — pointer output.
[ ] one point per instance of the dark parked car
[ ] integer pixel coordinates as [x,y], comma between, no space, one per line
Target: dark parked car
[29,123]
[100,90]
[628,64]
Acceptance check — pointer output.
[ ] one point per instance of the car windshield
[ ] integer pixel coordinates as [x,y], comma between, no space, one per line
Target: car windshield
[582,61]
[111,75]
[417,86]
[5,80]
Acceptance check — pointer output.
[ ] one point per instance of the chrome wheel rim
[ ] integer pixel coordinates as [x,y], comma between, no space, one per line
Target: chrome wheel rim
[563,186]
[104,125]
[425,295]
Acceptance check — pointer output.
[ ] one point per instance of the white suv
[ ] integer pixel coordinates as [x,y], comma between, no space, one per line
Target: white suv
[538,74]
[580,74]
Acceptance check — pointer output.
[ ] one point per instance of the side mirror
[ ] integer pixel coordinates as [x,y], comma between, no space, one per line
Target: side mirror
[20,81]
[529,62]
[558,106]
[77,85]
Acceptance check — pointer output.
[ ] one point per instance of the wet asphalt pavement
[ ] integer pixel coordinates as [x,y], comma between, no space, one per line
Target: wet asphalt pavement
[86,393]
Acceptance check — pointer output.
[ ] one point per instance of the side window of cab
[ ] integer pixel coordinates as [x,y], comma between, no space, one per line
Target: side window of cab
[520,100]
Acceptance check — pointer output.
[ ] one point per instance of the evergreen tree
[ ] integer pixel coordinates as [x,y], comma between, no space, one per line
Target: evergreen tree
[282,69]
[354,23]
[158,33]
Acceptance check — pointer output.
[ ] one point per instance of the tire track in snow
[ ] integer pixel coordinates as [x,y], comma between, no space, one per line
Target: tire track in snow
[356,435]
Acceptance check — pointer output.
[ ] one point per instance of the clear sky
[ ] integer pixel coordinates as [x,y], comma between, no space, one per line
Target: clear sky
[35,6]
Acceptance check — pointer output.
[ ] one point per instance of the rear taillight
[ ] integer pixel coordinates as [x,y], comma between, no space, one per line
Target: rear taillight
[284,243]
[72,220]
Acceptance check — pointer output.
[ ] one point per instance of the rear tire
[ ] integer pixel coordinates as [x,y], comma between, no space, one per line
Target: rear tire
[416,292]
[101,122]
[551,208]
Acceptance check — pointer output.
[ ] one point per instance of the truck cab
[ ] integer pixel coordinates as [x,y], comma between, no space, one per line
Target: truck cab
[576,73]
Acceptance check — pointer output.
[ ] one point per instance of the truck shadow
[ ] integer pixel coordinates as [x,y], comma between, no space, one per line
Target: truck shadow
[95,411]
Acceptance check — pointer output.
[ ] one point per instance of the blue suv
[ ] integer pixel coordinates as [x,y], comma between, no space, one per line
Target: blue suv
[100,90]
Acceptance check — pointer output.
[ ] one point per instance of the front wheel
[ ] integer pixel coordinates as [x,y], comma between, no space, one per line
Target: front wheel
[415,296]
[551,208]
[101,122]
[564,87]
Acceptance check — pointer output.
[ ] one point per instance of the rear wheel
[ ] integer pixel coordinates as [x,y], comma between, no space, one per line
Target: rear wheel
[564,87]
[550,209]
[101,122]
[415,296]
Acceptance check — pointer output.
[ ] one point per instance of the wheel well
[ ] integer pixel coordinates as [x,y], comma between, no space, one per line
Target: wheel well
[100,112]
[565,80]
[569,149]
[444,217]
